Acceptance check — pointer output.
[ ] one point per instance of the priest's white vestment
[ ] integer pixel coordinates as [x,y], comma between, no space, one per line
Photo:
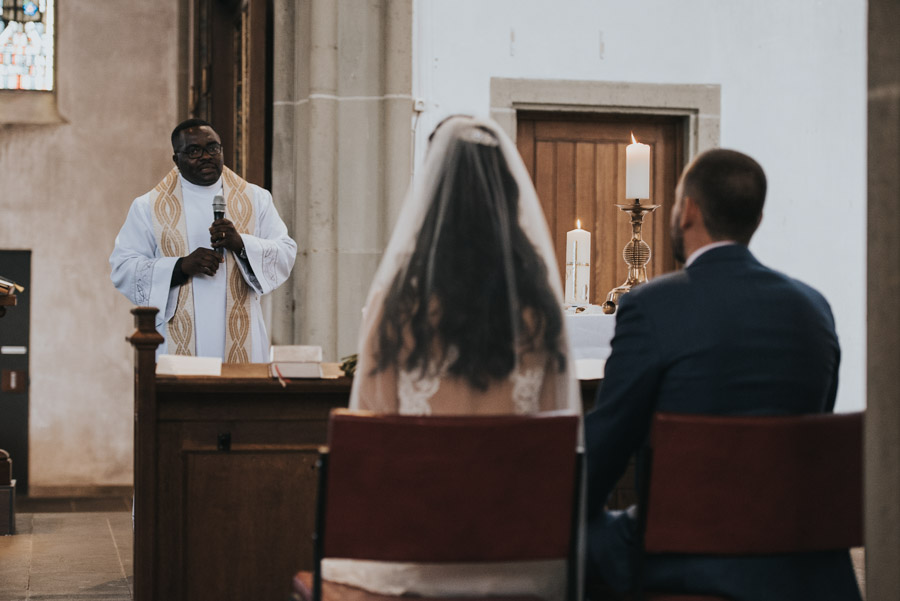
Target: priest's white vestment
[142,271]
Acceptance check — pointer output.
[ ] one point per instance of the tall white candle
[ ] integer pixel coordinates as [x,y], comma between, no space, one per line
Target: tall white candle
[637,170]
[578,266]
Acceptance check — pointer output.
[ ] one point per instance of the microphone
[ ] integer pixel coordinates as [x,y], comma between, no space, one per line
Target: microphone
[218,205]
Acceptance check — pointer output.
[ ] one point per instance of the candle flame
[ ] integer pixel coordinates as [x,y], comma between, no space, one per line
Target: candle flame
[633,141]
[578,223]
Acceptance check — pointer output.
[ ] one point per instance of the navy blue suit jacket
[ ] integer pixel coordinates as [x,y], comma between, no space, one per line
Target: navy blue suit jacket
[726,335]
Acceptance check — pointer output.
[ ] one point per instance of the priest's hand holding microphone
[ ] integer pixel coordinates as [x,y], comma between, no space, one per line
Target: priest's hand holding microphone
[222,235]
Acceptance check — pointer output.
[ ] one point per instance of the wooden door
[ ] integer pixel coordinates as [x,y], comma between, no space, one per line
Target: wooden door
[232,86]
[577,163]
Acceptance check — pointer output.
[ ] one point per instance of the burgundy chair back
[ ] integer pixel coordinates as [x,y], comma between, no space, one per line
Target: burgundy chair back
[450,489]
[748,485]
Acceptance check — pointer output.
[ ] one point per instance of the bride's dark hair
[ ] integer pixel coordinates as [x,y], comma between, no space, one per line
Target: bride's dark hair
[455,292]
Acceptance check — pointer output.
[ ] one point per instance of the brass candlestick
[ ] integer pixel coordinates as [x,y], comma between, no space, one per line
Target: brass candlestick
[636,254]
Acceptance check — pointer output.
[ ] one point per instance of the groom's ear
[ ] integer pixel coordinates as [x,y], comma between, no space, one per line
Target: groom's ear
[690,213]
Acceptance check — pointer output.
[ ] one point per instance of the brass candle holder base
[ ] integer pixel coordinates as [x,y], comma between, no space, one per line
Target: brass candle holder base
[636,254]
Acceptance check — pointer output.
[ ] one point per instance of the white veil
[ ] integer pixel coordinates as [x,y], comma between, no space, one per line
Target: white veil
[475,279]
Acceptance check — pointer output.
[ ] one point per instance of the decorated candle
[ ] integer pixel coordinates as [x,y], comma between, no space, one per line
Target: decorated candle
[637,170]
[578,266]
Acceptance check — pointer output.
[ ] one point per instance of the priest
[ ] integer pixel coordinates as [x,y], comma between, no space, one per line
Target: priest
[204,272]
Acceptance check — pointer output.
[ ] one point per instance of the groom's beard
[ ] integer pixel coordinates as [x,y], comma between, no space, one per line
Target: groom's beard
[678,244]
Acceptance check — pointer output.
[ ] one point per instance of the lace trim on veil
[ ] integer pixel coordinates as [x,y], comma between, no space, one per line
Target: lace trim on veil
[415,390]
[526,394]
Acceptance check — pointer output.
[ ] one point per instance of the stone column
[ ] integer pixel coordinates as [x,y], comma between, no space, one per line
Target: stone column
[882,455]
[342,155]
[287,169]
[398,108]
[316,300]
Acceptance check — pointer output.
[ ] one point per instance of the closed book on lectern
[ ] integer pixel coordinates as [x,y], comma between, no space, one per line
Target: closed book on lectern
[295,369]
[295,361]
[295,353]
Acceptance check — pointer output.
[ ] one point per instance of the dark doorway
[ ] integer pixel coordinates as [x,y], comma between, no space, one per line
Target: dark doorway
[232,84]
[14,330]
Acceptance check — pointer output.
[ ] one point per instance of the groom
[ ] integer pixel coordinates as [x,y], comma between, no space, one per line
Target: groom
[726,335]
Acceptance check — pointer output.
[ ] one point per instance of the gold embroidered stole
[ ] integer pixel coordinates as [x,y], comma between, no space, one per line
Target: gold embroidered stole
[239,209]
[170,229]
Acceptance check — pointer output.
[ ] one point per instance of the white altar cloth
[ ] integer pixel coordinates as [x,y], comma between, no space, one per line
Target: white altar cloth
[590,335]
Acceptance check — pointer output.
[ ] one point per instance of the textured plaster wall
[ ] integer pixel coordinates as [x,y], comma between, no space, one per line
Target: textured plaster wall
[64,192]
[793,95]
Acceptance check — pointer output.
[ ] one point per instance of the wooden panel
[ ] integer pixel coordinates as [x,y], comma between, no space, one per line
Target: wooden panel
[565,200]
[246,506]
[598,131]
[621,224]
[264,481]
[525,134]
[168,501]
[585,196]
[579,172]
[545,185]
[606,247]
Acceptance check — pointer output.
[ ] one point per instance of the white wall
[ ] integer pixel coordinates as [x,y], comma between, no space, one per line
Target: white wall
[66,189]
[793,80]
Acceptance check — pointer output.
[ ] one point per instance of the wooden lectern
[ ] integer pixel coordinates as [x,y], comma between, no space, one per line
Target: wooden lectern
[224,478]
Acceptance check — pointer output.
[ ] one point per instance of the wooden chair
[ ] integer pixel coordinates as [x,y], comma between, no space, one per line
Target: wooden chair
[445,489]
[752,485]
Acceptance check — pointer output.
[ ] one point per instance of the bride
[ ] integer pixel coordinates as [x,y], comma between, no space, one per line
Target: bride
[465,317]
[465,313]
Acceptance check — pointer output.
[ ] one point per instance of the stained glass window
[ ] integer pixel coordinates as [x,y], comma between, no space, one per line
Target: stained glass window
[26,45]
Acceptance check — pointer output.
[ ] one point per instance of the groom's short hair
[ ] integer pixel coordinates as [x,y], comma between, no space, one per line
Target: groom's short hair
[729,188]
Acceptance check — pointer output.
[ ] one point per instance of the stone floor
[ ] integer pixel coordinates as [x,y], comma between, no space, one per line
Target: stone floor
[81,549]
[72,556]
[72,504]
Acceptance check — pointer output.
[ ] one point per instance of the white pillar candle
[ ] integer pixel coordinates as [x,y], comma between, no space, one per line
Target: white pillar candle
[637,170]
[578,266]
